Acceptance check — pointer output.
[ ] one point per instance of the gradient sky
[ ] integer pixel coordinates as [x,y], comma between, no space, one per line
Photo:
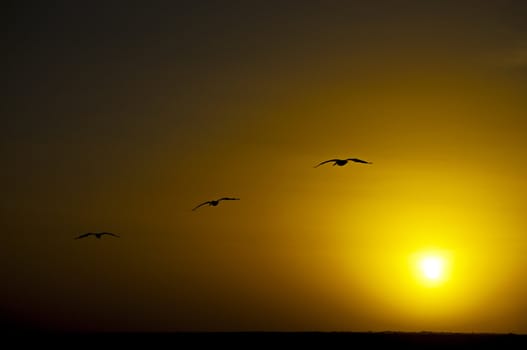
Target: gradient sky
[123,116]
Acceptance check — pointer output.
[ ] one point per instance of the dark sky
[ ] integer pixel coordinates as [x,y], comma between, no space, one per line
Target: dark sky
[122,116]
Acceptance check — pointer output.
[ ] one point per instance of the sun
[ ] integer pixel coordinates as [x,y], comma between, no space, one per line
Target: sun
[431,267]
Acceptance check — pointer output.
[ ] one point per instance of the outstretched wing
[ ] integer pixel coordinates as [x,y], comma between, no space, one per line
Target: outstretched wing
[111,234]
[356,160]
[228,199]
[202,204]
[324,162]
[84,235]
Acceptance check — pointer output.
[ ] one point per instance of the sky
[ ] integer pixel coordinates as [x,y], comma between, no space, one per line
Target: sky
[122,116]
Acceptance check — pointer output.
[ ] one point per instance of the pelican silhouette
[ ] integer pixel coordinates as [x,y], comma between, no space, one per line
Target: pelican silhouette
[97,235]
[215,202]
[342,162]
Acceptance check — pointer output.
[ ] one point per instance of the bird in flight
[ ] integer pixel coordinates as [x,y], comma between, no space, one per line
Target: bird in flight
[342,162]
[98,235]
[215,202]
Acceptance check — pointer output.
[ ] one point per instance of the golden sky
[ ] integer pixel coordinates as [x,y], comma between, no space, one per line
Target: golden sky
[122,118]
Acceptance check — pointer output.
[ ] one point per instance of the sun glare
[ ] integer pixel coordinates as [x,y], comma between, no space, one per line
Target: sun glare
[431,267]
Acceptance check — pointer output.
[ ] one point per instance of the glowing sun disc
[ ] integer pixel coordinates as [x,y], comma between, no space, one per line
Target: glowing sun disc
[432,267]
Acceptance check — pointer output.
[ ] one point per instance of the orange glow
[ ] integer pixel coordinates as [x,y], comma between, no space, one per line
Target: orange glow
[124,119]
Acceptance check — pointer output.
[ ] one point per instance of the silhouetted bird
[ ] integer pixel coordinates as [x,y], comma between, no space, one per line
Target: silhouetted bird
[214,203]
[342,162]
[98,235]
